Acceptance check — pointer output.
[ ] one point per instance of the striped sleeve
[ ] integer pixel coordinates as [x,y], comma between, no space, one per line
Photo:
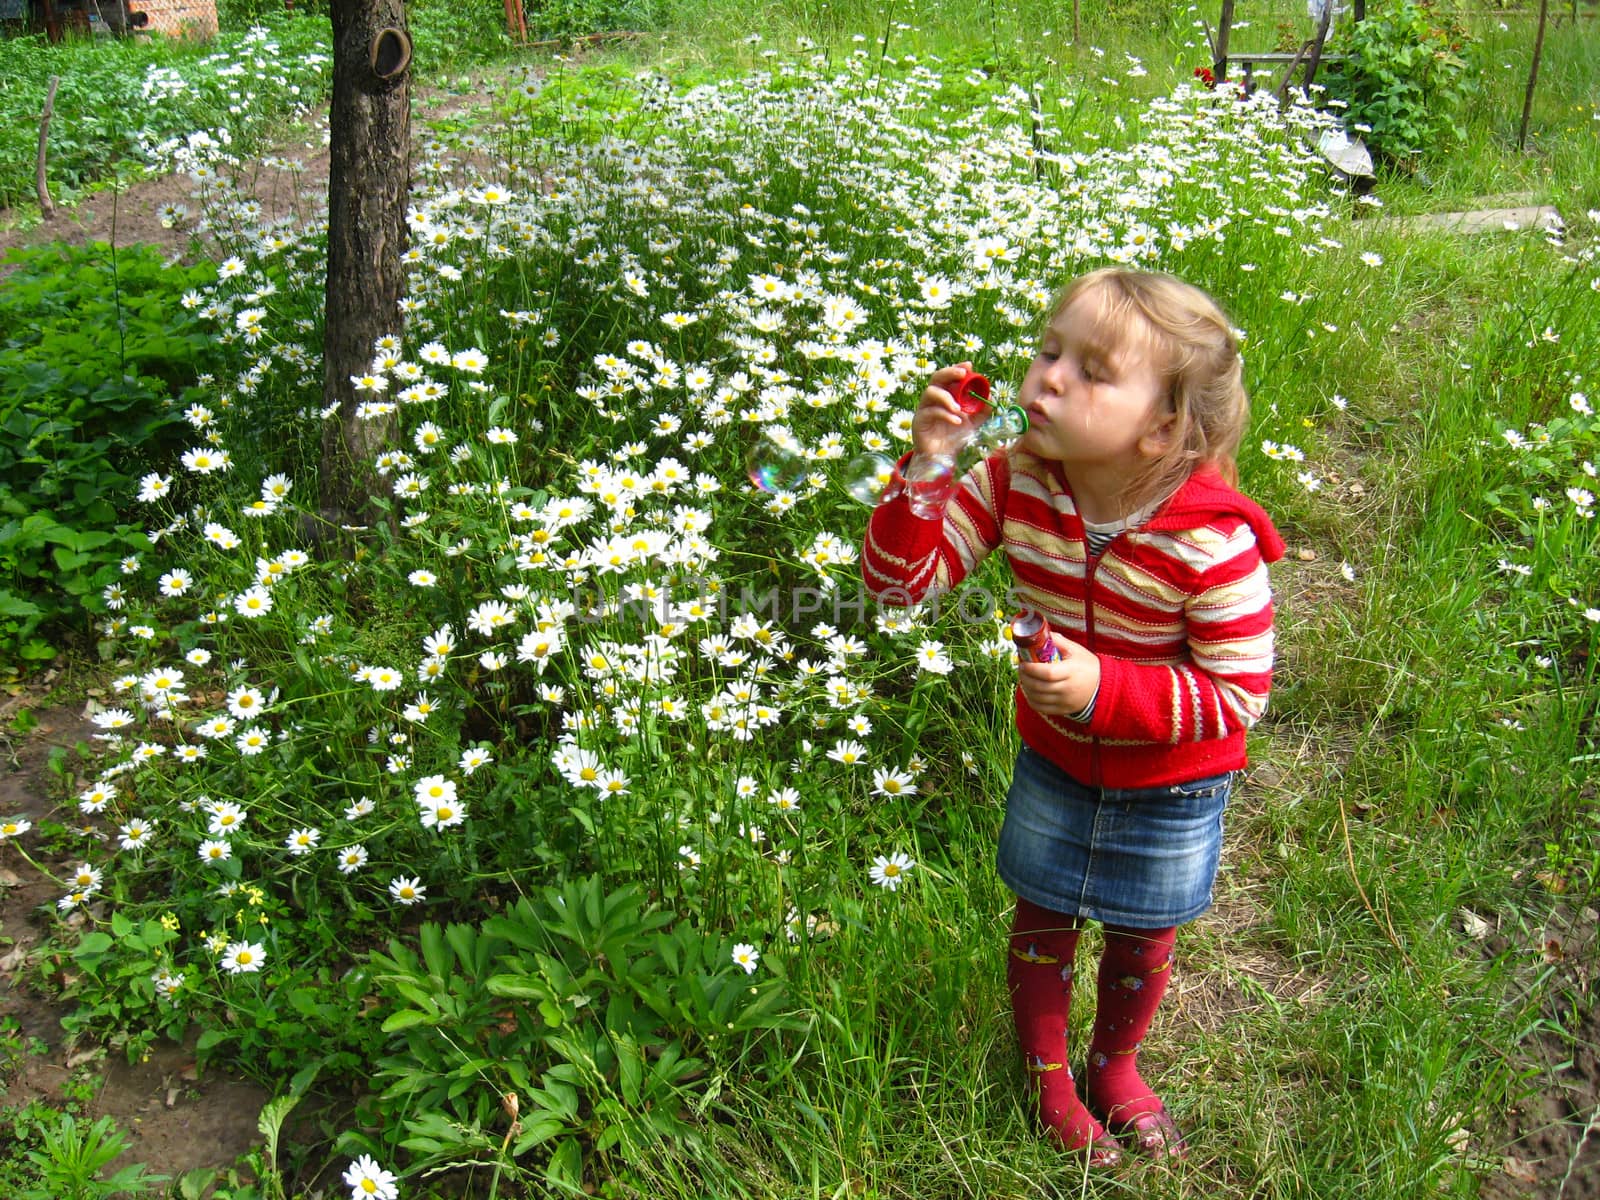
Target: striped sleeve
[907,558]
[1222,688]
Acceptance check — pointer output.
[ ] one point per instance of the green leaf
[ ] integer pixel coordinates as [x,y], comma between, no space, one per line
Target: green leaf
[519,987]
[68,560]
[535,1133]
[565,1169]
[630,1068]
[406,1018]
[270,1121]
[434,951]
[12,605]
[416,995]
[93,945]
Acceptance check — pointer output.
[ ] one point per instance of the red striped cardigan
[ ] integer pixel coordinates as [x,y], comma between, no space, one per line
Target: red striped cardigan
[1179,611]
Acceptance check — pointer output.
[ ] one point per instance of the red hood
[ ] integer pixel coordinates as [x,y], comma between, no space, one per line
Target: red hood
[1205,497]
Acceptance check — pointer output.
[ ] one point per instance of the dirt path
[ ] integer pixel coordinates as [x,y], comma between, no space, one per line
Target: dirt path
[134,213]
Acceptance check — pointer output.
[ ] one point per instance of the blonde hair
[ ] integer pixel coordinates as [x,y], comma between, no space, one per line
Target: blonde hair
[1194,350]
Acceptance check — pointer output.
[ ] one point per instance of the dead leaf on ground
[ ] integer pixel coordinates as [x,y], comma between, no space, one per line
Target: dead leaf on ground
[1477,928]
[1519,1169]
[79,1057]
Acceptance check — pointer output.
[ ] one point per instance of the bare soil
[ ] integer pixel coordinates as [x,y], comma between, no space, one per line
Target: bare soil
[1553,1147]
[134,213]
[177,1120]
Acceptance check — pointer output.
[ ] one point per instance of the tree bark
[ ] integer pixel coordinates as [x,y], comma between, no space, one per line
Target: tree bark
[369,178]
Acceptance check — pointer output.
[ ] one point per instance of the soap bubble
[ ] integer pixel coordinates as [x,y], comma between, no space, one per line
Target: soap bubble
[775,468]
[866,476]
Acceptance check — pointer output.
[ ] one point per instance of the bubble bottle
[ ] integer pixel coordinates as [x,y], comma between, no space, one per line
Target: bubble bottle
[1031,632]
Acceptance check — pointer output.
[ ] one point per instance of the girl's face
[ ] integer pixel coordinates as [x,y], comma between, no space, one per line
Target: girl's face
[1090,401]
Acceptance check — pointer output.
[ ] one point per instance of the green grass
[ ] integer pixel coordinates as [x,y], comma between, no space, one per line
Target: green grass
[1332,1031]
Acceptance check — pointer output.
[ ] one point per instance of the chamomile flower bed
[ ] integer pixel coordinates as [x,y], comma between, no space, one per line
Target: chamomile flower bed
[584,646]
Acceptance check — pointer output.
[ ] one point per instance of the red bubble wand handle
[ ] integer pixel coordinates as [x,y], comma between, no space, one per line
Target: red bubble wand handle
[971,393]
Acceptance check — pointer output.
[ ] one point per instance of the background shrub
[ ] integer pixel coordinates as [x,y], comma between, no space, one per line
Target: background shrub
[93,363]
[1407,71]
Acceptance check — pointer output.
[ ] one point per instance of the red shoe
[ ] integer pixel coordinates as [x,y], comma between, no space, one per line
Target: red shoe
[1103,1153]
[1153,1135]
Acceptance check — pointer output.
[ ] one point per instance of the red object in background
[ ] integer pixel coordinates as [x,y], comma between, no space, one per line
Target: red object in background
[1205,76]
[971,393]
[1031,632]
[516,21]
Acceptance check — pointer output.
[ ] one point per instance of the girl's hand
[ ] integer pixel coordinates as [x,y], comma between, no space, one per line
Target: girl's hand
[938,426]
[1062,688]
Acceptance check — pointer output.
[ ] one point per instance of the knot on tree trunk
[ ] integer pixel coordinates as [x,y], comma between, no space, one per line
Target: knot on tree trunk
[391,53]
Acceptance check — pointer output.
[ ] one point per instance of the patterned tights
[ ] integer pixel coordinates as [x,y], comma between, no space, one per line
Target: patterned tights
[1134,970]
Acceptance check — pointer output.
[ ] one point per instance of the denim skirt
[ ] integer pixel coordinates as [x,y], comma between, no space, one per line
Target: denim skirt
[1143,858]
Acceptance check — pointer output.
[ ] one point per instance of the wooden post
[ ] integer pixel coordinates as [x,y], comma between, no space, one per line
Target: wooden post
[1316,48]
[1219,66]
[40,182]
[1075,21]
[1282,94]
[516,21]
[1533,76]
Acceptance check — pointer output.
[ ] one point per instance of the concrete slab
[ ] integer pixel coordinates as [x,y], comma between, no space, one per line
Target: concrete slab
[1483,220]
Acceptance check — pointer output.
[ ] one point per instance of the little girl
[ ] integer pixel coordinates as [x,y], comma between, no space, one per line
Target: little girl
[1121,524]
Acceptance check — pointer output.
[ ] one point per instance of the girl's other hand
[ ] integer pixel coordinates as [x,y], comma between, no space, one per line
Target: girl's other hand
[938,427]
[1062,688]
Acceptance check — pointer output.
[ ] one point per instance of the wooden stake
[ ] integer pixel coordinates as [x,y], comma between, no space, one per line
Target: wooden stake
[1533,76]
[40,183]
[1219,65]
[1315,60]
[516,22]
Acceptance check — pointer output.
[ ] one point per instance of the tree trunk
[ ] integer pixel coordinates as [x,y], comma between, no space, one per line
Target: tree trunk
[369,177]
